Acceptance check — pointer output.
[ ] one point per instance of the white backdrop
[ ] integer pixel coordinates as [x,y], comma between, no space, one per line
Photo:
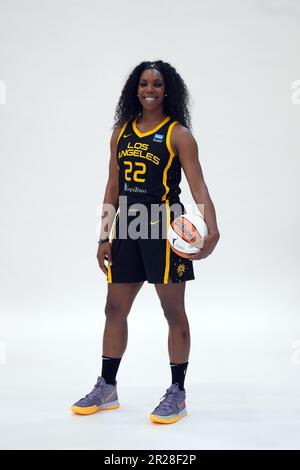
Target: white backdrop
[63,64]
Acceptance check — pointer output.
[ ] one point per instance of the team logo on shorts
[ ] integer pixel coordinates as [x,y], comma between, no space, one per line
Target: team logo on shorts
[158,138]
[181,269]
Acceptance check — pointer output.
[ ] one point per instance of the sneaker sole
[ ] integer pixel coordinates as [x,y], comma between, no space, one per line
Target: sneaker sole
[167,420]
[89,410]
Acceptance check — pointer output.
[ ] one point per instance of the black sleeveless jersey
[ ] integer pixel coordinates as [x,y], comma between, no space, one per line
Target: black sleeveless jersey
[149,170]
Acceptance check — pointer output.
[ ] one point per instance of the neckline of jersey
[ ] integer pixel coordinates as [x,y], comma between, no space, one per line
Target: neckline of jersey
[143,134]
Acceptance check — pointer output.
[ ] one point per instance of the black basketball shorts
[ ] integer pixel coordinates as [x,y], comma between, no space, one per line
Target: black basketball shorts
[147,257]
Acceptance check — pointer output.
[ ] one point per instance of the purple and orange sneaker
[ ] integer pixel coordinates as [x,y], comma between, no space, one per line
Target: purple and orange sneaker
[103,397]
[171,407]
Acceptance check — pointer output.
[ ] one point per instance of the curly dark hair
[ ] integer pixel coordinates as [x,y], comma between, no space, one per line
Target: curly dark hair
[176,103]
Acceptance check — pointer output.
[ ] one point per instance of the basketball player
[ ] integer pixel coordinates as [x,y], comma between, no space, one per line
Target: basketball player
[151,142]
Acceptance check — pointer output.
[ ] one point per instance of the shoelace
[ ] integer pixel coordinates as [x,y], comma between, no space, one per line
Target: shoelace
[95,389]
[168,400]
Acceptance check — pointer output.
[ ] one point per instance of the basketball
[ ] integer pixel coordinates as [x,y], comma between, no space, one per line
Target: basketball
[186,230]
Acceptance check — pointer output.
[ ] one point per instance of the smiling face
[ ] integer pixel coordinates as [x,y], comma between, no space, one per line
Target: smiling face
[151,89]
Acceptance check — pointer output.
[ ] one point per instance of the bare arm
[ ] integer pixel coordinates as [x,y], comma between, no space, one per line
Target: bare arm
[111,195]
[110,203]
[186,146]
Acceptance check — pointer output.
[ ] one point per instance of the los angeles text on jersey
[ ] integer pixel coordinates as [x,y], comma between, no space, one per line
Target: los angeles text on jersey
[139,149]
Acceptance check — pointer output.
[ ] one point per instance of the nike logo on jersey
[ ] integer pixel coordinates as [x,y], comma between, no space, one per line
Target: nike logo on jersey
[154,222]
[126,135]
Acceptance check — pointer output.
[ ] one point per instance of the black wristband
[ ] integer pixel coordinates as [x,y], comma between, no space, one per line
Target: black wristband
[103,241]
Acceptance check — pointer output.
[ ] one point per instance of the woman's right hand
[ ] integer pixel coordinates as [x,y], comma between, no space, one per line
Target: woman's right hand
[104,253]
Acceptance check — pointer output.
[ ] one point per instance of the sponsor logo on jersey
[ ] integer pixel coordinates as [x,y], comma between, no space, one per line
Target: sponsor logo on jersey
[134,189]
[158,137]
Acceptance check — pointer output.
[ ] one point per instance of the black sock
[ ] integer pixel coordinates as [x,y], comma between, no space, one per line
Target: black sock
[178,373]
[110,367]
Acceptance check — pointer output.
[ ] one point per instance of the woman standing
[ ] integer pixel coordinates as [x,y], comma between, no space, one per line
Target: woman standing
[150,144]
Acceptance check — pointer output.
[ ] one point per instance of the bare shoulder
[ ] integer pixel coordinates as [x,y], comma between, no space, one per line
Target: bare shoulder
[181,135]
[115,134]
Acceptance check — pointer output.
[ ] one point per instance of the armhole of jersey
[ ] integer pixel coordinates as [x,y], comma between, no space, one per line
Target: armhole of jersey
[122,131]
[119,137]
[168,138]
[171,156]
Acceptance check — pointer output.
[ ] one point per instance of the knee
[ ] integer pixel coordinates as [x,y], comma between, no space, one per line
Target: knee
[175,315]
[114,310]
